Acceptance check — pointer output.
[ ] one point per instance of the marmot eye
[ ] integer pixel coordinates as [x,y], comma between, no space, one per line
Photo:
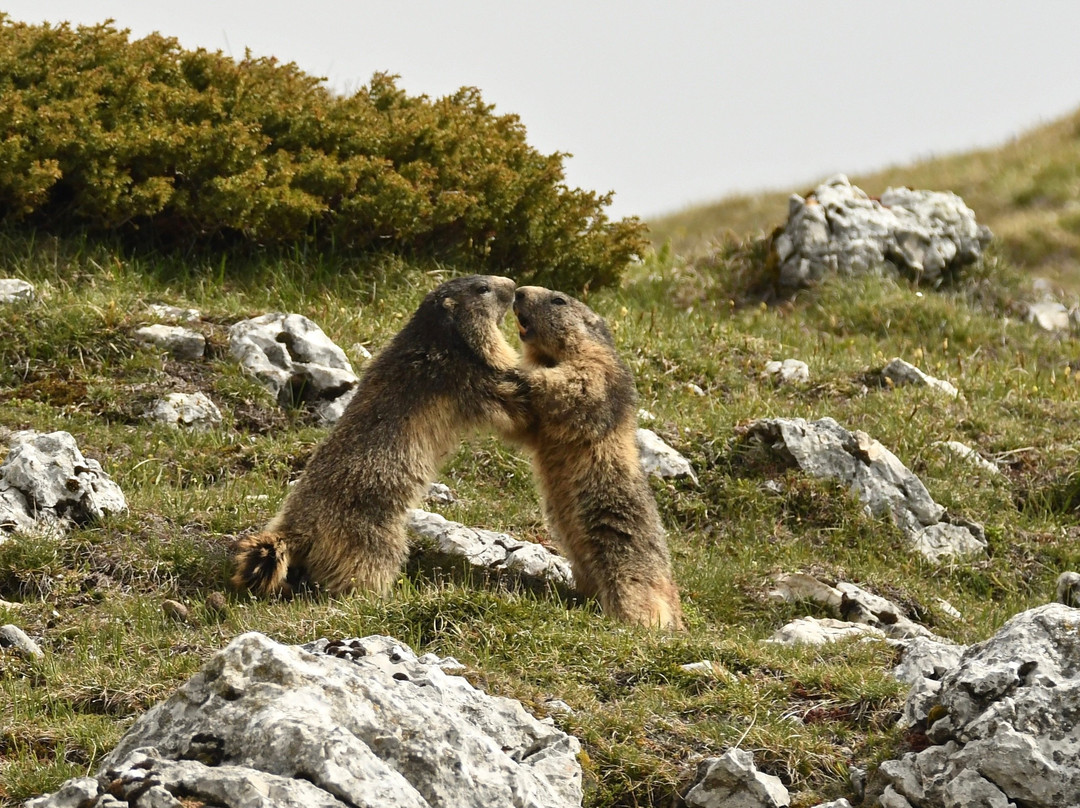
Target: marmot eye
[558,301]
[483,289]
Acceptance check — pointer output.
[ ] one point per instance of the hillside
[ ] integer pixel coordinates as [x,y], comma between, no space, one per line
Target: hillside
[96,599]
[1027,190]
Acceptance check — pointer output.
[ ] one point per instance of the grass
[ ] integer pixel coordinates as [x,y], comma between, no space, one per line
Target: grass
[809,715]
[1026,190]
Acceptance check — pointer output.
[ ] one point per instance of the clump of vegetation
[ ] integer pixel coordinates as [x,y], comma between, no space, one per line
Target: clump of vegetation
[175,146]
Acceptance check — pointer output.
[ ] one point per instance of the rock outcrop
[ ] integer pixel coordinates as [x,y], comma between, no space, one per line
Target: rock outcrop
[660,459]
[46,482]
[488,551]
[296,361]
[1004,727]
[346,723]
[839,229]
[826,450]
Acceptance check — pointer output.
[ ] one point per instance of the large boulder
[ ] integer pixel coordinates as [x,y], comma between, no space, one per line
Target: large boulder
[1004,730]
[347,723]
[885,486]
[296,361]
[839,229]
[46,482]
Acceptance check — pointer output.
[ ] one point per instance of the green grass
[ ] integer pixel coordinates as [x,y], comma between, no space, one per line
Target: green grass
[1026,190]
[94,598]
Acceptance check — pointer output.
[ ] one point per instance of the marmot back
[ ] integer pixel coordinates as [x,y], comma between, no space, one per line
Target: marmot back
[581,429]
[342,525]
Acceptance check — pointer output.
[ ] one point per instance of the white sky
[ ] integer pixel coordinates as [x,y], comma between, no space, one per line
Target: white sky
[675,103]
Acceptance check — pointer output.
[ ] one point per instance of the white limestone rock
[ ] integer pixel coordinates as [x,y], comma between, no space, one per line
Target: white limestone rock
[1049,315]
[194,410]
[1008,725]
[346,723]
[825,450]
[964,452]
[733,781]
[296,361]
[821,630]
[1068,588]
[14,290]
[900,372]
[661,460]
[173,314]
[46,481]
[839,229]
[788,371]
[15,638]
[490,551]
[175,340]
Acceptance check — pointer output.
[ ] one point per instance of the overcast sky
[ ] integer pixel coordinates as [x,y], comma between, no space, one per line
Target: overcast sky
[676,103]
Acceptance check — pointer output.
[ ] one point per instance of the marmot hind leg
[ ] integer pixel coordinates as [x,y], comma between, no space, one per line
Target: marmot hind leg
[262,564]
[653,604]
[373,566]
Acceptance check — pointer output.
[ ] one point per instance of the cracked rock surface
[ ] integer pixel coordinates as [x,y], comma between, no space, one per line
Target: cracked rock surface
[344,723]
[292,356]
[885,486]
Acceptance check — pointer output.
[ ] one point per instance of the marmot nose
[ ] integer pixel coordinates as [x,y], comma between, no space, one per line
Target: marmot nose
[519,295]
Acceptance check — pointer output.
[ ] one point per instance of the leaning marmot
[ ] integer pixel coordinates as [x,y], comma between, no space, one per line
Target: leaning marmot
[581,430]
[342,525]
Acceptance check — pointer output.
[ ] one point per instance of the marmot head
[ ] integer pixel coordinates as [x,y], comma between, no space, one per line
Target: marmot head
[472,307]
[554,325]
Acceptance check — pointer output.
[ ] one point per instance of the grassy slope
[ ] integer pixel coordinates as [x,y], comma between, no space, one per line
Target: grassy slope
[1027,191]
[68,362]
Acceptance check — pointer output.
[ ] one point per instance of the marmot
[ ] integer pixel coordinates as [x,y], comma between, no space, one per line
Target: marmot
[581,430]
[342,525]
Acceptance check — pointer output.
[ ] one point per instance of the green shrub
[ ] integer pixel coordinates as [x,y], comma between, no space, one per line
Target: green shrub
[148,139]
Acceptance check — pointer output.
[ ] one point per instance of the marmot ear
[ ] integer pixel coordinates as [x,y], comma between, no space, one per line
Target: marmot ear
[449,303]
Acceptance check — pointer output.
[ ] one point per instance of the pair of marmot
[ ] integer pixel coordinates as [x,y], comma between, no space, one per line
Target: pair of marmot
[570,400]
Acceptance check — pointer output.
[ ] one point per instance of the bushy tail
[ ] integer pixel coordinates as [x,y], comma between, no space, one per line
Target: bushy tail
[262,564]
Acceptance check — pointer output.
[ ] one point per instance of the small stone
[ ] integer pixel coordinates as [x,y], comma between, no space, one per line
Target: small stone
[15,638]
[900,372]
[969,455]
[1048,315]
[1068,589]
[216,604]
[695,389]
[174,314]
[356,349]
[13,290]
[177,341]
[661,460]
[175,610]
[789,371]
[193,410]
[645,415]
[440,494]
[818,631]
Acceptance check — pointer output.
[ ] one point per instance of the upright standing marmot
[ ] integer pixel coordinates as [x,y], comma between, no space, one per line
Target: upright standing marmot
[581,429]
[343,524]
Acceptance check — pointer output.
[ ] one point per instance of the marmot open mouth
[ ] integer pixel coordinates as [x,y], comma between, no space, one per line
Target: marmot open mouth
[523,326]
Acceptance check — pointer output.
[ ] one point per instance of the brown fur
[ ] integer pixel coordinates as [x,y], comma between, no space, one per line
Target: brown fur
[342,526]
[581,430]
